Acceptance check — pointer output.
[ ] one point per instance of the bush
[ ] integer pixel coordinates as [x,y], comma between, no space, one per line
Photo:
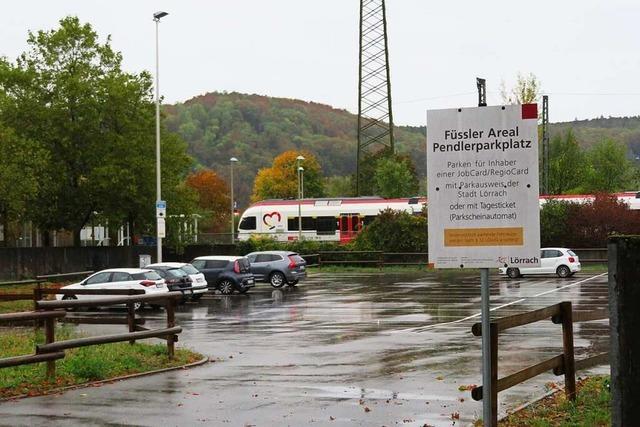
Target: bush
[393,231]
[586,225]
[303,247]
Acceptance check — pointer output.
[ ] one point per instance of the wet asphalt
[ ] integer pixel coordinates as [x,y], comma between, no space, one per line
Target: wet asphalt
[337,350]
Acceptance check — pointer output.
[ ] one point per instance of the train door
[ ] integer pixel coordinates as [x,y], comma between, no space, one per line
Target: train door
[350,225]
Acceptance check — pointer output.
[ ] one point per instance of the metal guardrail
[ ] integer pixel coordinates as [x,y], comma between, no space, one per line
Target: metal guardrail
[563,364]
[46,311]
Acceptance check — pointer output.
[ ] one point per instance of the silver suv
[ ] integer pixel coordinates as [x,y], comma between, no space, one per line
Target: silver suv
[278,267]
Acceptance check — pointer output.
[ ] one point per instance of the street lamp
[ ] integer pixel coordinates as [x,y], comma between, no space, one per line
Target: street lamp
[232,161]
[300,197]
[159,220]
[299,160]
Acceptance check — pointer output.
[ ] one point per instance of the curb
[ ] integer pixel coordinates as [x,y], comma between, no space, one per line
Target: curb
[109,380]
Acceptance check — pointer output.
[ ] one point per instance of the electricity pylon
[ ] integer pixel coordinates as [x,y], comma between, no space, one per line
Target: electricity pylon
[375,118]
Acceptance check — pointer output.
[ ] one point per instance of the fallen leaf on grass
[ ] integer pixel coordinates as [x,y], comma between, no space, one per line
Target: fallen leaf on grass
[366,409]
[440,378]
[467,387]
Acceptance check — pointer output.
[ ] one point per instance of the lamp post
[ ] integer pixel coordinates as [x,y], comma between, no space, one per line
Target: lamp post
[299,160]
[159,220]
[231,162]
[300,197]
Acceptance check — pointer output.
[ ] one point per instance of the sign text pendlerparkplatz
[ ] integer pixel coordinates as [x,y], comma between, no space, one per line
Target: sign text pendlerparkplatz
[482,169]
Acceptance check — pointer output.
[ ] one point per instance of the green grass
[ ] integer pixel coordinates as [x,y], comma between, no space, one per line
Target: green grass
[595,268]
[80,365]
[590,409]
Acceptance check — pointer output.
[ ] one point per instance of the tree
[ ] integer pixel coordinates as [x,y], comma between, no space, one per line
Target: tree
[394,178]
[214,200]
[280,181]
[394,231]
[609,169]
[526,91]
[20,163]
[338,186]
[388,174]
[69,95]
[566,164]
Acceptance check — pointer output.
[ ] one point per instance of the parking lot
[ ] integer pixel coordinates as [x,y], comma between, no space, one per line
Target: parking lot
[339,349]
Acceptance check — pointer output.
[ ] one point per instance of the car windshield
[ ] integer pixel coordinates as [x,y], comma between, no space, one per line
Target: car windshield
[189,269]
[147,275]
[570,252]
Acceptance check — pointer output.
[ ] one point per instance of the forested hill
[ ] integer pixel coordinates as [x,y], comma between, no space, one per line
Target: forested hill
[257,128]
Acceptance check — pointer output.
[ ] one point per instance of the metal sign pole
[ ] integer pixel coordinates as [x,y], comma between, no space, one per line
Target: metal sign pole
[486,348]
[486,309]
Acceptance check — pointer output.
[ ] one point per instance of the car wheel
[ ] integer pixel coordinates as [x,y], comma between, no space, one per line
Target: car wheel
[292,283]
[513,273]
[277,279]
[137,306]
[563,271]
[226,287]
[69,298]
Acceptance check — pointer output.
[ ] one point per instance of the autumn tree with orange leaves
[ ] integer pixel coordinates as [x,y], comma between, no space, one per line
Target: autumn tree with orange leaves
[280,181]
[213,199]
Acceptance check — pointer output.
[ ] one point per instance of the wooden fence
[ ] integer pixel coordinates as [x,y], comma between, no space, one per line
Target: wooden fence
[48,311]
[562,364]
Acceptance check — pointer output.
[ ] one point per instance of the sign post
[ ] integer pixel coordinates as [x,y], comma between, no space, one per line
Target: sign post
[483,208]
[161,214]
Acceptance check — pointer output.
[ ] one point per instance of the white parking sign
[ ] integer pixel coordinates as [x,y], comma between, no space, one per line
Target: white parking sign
[482,171]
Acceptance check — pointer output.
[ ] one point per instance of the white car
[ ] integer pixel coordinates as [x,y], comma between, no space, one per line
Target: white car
[199,285]
[561,261]
[119,278]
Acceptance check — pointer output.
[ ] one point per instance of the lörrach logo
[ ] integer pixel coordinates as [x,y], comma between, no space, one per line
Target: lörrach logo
[514,260]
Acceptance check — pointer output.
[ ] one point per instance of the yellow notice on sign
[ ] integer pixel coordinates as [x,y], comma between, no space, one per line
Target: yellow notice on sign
[503,236]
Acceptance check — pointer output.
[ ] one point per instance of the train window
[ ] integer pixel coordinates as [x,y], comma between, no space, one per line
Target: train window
[308,223]
[326,225]
[248,223]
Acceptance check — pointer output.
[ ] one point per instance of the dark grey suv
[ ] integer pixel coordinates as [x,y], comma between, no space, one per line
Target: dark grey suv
[278,267]
[225,273]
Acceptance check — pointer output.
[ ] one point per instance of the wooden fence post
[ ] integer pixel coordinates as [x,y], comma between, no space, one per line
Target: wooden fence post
[624,320]
[568,351]
[50,336]
[494,374]
[171,322]
[37,296]
[131,320]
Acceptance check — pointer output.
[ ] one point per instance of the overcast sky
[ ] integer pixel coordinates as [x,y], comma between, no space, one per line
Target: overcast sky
[586,53]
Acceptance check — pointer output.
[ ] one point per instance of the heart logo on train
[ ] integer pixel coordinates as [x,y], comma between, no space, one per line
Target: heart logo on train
[270,221]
